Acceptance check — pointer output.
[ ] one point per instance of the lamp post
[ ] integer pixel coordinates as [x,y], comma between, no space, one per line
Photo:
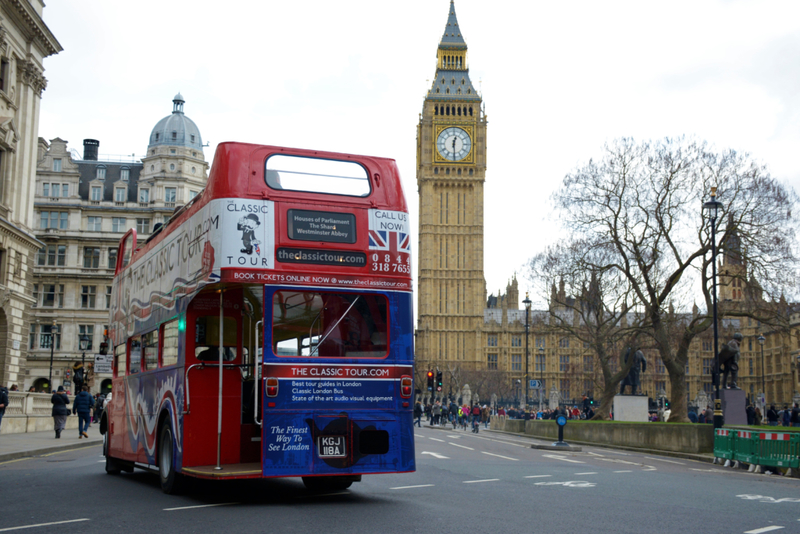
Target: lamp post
[83,343]
[52,348]
[761,339]
[527,303]
[541,375]
[711,208]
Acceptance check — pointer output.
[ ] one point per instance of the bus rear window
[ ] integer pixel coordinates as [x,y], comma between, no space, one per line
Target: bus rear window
[317,175]
[329,325]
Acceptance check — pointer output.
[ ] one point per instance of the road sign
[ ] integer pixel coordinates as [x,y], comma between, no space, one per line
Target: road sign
[536,384]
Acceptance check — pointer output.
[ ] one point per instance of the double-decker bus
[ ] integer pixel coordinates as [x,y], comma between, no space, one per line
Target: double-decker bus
[266,329]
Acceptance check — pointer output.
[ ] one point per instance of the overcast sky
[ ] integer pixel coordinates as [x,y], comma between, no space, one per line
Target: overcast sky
[558,80]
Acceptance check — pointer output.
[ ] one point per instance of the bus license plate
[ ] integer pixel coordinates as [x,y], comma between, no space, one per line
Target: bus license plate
[331,447]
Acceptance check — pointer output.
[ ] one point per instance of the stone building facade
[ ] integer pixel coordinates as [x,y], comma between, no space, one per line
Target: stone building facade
[82,209]
[25,41]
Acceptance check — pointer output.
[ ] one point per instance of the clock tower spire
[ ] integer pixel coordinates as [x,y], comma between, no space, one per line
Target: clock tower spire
[451,169]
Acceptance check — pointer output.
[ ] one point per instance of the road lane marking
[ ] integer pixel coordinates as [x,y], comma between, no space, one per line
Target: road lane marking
[594,454]
[315,495]
[17,460]
[462,446]
[199,506]
[761,530]
[9,529]
[484,480]
[538,476]
[707,470]
[70,450]
[663,460]
[764,498]
[623,471]
[590,473]
[498,456]
[418,436]
[569,484]
[454,436]
[555,457]
[439,440]
[410,487]
[436,455]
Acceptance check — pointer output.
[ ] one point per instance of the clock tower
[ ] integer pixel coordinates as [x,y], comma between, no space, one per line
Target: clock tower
[451,169]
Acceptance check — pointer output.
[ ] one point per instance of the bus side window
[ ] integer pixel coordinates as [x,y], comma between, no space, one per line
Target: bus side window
[150,348]
[136,355]
[169,344]
[120,360]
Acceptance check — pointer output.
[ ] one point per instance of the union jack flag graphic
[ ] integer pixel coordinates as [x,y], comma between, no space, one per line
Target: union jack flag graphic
[378,240]
[392,241]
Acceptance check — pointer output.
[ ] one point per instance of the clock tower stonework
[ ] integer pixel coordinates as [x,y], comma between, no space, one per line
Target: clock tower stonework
[451,170]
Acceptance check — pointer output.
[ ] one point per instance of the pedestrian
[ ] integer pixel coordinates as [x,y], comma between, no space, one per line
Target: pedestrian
[485,416]
[60,410]
[14,388]
[751,414]
[772,415]
[476,418]
[83,407]
[795,417]
[3,402]
[99,404]
[757,417]
[692,416]
[418,414]
[787,416]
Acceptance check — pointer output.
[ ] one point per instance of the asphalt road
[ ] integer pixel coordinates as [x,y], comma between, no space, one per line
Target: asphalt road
[464,482]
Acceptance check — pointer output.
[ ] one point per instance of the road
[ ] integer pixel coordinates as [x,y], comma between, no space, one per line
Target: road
[488,482]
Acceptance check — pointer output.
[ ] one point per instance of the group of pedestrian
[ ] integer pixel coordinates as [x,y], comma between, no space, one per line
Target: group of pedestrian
[784,417]
[547,414]
[441,414]
[85,406]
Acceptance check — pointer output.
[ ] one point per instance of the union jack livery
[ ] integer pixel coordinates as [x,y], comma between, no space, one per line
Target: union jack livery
[266,329]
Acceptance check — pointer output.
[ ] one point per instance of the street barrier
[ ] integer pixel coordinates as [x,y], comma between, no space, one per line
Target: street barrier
[779,449]
[769,449]
[724,443]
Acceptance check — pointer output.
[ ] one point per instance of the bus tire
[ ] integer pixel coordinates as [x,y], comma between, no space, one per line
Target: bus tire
[327,483]
[112,467]
[171,481]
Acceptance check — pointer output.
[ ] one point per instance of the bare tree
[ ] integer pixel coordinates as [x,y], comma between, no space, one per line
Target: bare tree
[591,305]
[639,210]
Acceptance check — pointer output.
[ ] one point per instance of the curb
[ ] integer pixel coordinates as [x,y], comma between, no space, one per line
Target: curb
[49,450]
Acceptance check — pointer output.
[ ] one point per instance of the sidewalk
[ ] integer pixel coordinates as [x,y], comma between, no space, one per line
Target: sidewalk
[13,446]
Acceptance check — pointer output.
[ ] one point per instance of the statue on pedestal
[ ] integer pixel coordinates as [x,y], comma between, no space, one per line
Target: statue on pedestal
[634,375]
[729,361]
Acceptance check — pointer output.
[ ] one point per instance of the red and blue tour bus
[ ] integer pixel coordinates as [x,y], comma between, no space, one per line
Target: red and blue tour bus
[266,329]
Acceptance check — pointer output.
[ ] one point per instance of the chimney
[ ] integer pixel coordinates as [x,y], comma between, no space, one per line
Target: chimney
[90,147]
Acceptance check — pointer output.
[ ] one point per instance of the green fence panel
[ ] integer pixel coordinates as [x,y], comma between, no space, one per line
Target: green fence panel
[723,443]
[746,447]
[779,449]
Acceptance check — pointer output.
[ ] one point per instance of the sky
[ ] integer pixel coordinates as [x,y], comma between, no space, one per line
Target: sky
[558,80]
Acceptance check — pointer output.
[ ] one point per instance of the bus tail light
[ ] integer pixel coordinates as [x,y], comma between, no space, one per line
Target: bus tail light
[405,387]
[272,387]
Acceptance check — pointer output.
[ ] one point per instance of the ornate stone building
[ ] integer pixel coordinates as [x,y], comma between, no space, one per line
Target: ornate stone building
[82,209]
[25,41]
[481,341]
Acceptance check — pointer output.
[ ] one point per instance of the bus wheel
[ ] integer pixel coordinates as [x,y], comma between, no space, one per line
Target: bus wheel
[171,481]
[327,483]
[112,467]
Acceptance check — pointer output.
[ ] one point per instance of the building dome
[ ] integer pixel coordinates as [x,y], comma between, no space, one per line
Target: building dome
[176,129]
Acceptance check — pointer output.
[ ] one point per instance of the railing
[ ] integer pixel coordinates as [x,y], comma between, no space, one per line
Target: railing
[27,403]
[773,449]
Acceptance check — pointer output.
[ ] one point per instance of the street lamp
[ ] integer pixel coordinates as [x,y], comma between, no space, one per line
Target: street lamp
[541,375]
[712,208]
[52,348]
[83,343]
[527,303]
[761,339]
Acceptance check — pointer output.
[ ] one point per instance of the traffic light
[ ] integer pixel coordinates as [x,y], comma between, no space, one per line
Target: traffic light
[438,381]
[666,404]
[430,380]
[591,401]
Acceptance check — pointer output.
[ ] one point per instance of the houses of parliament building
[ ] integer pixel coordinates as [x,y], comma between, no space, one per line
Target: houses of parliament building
[479,339]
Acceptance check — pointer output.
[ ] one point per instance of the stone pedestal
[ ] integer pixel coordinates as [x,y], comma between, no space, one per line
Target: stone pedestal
[630,408]
[734,402]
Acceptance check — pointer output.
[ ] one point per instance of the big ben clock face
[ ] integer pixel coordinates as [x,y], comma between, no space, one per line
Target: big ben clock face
[453,144]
